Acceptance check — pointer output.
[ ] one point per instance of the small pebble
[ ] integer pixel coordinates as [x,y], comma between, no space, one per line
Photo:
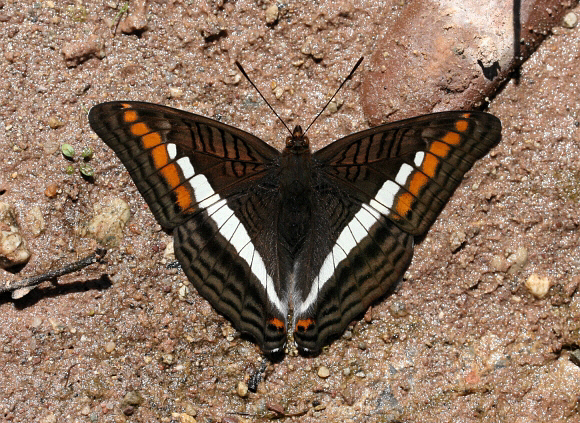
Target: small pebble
[184,418]
[110,347]
[50,191]
[570,20]
[575,357]
[334,105]
[175,92]
[398,309]
[538,285]
[272,14]
[323,372]
[456,240]
[36,322]
[368,317]
[242,389]
[518,260]
[278,92]
[128,410]
[168,359]
[54,122]
[133,398]
[499,264]
[49,418]
[277,408]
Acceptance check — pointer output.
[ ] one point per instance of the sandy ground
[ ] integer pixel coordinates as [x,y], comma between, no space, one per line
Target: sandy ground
[462,339]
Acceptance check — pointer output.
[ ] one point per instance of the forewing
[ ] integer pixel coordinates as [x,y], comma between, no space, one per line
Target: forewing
[168,152]
[407,170]
[215,186]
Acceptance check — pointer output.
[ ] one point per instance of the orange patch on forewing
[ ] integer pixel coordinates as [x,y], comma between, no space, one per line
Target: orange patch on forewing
[277,324]
[466,115]
[160,156]
[184,200]
[125,105]
[418,181]
[452,138]
[461,125]
[304,324]
[139,129]
[404,204]
[183,196]
[171,175]
[130,116]
[439,149]
[430,164]
[151,140]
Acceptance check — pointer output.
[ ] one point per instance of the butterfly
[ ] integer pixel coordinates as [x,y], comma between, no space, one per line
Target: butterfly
[262,233]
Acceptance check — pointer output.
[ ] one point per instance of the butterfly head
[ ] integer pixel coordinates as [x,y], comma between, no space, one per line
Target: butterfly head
[298,141]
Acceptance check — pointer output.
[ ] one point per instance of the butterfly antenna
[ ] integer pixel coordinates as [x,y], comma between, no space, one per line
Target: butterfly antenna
[334,95]
[254,85]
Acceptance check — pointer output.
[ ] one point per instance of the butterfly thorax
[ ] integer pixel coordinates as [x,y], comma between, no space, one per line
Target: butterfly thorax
[295,192]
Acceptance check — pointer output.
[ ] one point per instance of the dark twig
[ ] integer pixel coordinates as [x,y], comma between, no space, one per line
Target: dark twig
[69,268]
[68,375]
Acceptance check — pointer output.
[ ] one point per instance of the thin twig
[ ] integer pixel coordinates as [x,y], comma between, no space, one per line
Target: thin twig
[69,268]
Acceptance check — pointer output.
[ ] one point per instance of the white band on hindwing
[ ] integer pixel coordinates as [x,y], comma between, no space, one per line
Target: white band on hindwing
[230,227]
[359,227]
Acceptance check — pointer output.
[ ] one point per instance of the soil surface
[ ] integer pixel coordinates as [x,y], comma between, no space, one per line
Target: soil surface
[466,337]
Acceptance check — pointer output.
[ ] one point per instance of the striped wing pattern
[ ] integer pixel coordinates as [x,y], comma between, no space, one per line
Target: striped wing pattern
[218,188]
[395,179]
[407,170]
[203,179]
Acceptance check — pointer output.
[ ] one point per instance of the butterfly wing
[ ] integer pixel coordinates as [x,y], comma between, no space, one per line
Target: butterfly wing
[353,256]
[391,182]
[407,170]
[215,186]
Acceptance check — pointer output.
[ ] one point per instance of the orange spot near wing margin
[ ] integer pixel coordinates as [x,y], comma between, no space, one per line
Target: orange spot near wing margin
[452,138]
[138,129]
[160,156]
[183,196]
[304,324]
[439,148]
[418,181]
[129,116]
[276,324]
[151,140]
[461,125]
[404,203]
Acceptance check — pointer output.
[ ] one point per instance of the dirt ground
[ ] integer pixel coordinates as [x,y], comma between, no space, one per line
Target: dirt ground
[463,339]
